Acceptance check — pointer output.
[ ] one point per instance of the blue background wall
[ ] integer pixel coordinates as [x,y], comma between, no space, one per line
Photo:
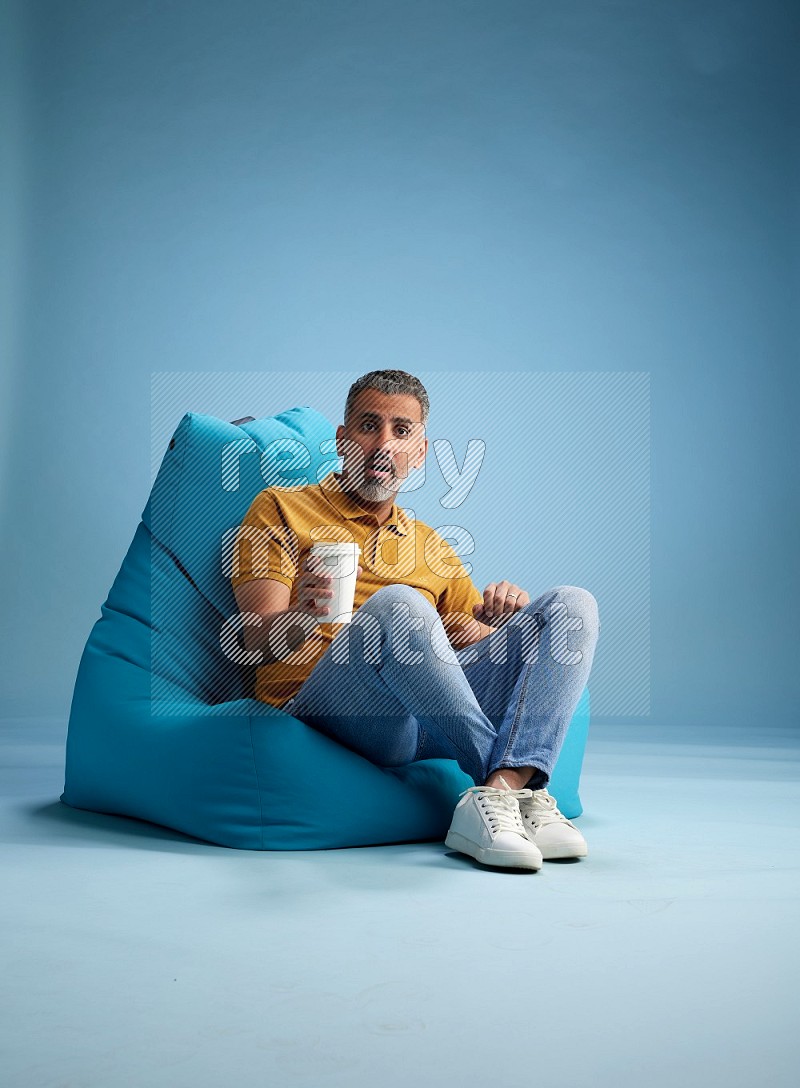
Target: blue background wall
[444,187]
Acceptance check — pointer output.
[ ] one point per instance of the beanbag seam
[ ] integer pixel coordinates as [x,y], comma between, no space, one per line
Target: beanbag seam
[179,474]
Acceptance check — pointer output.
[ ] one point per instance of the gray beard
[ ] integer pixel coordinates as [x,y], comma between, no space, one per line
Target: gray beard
[374,491]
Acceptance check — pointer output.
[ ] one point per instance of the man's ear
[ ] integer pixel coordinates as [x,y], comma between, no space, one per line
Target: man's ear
[339,437]
[423,455]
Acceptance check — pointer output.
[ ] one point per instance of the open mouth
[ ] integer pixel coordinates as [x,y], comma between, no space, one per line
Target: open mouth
[379,473]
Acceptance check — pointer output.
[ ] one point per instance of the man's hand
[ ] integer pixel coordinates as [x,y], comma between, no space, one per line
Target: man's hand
[500,601]
[314,587]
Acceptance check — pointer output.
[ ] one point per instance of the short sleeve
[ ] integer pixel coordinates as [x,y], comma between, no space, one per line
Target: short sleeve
[460,594]
[265,546]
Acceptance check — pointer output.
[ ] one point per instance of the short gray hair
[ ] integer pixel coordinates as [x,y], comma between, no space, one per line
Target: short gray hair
[389,381]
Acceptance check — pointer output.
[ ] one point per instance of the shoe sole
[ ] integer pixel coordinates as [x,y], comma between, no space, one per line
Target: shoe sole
[568,850]
[499,858]
[556,850]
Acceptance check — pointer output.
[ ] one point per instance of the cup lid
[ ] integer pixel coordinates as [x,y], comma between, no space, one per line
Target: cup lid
[336,546]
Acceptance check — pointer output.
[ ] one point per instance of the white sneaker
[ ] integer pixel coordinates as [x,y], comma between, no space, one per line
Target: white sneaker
[552,832]
[487,825]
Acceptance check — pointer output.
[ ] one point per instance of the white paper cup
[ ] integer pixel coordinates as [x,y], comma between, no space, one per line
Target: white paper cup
[340,561]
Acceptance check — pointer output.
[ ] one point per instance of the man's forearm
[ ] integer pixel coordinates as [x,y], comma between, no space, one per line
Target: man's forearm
[288,637]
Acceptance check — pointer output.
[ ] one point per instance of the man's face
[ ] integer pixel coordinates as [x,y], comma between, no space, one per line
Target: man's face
[382,442]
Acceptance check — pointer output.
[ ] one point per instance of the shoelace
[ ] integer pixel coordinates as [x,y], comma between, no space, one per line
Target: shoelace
[543,808]
[501,806]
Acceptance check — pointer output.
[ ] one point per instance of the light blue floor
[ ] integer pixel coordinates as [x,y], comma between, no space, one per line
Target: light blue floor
[134,956]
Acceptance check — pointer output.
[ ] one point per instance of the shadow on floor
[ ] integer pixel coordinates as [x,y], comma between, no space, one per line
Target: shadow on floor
[58,822]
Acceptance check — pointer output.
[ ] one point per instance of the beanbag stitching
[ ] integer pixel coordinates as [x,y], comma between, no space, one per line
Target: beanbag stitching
[176,489]
[186,574]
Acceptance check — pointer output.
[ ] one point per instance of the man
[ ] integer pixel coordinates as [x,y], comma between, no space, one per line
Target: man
[439,673]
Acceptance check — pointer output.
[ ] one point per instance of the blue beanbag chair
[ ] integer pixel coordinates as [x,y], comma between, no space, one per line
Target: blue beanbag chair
[163,726]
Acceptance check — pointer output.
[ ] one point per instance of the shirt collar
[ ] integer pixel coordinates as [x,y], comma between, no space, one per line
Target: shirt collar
[349,508]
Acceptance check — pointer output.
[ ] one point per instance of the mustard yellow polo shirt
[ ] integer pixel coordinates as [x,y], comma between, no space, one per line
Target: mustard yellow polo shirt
[282,525]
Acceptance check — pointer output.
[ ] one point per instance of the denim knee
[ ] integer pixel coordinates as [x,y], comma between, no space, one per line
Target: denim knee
[383,599]
[399,612]
[580,602]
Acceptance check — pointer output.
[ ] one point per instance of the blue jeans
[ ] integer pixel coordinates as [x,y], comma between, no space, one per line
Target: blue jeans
[391,687]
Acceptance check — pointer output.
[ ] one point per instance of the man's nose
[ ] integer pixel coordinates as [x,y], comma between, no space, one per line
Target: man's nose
[391,452]
[383,453]
[384,445]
